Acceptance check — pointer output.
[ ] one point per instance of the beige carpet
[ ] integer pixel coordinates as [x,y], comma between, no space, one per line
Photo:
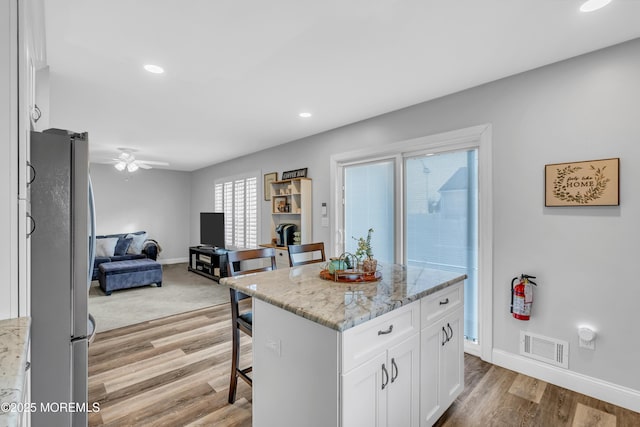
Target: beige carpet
[181,291]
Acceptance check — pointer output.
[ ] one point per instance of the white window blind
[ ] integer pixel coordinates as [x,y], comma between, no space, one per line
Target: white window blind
[237,197]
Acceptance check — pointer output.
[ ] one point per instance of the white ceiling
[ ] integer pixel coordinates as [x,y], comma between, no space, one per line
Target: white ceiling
[239,72]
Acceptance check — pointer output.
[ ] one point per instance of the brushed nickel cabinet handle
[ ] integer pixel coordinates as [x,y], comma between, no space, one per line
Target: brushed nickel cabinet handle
[388,331]
[33,225]
[32,175]
[394,367]
[385,376]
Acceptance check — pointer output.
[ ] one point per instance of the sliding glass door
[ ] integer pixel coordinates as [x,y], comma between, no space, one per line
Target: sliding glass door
[438,193]
[429,201]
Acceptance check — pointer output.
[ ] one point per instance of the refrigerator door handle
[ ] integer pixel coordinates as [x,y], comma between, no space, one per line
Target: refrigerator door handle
[92,243]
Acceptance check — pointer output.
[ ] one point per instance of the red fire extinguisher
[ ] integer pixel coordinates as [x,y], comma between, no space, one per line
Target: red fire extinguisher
[522,297]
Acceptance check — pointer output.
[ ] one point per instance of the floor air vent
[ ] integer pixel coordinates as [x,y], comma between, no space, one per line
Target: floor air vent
[544,349]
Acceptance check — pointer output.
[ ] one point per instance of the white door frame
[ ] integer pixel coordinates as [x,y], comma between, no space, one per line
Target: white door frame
[472,137]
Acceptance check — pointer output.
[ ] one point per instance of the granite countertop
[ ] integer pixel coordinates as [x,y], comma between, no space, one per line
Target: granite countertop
[341,306]
[14,343]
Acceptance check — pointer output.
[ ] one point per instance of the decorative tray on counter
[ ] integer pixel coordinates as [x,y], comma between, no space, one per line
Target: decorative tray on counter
[350,276]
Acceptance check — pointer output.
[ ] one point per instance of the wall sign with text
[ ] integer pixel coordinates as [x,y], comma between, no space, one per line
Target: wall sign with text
[589,183]
[298,173]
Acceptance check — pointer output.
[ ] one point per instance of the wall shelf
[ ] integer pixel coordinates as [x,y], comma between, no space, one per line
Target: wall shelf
[291,204]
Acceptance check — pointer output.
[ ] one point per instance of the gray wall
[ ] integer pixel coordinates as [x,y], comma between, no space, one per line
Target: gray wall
[155,200]
[580,109]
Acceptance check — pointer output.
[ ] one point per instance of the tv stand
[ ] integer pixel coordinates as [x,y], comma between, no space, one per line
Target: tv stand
[208,261]
[209,247]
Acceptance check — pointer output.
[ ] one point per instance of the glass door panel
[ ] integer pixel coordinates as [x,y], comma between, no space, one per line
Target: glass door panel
[441,220]
[369,202]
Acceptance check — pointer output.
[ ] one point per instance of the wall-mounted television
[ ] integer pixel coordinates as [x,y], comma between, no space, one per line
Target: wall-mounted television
[212,229]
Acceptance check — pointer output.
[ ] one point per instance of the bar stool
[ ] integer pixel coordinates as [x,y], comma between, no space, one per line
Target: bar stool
[243,321]
[315,249]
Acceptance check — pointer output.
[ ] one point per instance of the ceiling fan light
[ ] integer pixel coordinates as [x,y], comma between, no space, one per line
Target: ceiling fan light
[132,167]
[120,166]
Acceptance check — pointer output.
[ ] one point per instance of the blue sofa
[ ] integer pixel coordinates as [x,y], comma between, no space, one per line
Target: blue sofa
[127,246]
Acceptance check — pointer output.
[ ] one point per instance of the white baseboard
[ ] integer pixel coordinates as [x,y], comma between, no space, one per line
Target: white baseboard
[594,387]
[173,260]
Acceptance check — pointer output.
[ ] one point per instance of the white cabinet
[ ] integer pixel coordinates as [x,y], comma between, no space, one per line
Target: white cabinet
[442,358]
[363,401]
[404,388]
[282,258]
[403,368]
[22,48]
[8,159]
[383,390]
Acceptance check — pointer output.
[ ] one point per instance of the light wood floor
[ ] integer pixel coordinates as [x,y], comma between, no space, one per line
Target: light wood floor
[175,372]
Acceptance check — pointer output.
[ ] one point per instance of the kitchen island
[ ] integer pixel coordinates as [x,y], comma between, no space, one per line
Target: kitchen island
[387,352]
[14,345]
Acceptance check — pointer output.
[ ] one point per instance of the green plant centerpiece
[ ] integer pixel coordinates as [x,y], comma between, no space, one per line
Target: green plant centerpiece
[364,254]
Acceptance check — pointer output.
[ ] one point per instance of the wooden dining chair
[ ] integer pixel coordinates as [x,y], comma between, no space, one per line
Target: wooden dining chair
[254,260]
[314,252]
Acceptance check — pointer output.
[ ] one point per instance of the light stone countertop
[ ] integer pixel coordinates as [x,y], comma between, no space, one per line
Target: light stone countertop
[341,306]
[14,343]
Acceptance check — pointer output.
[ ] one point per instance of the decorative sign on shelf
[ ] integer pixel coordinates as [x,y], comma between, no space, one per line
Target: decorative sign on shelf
[589,183]
[298,173]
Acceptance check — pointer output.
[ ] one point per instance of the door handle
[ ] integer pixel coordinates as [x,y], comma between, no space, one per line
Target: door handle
[450,329]
[446,337]
[394,367]
[385,376]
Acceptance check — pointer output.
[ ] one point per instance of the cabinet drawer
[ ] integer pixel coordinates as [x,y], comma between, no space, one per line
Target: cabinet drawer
[366,340]
[441,303]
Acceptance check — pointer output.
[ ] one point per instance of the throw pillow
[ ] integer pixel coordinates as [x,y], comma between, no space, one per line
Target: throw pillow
[106,246]
[137,243]
[122,246]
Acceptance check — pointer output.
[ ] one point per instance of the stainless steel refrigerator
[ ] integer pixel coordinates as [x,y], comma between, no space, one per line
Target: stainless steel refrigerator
[62,243]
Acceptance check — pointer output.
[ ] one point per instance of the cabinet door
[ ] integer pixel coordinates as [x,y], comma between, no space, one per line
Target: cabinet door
[431,341]
[364,402]
[452,359]
[403,391]
[442,366]
[282,258]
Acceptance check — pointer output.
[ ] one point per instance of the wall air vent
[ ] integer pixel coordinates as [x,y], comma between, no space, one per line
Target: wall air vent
[544,349]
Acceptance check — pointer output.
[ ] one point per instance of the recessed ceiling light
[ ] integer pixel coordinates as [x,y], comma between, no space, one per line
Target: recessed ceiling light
[305,115]
[591,5]
[154,69]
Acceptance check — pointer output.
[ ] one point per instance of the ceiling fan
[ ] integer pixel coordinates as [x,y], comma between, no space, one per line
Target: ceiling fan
[127,160]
